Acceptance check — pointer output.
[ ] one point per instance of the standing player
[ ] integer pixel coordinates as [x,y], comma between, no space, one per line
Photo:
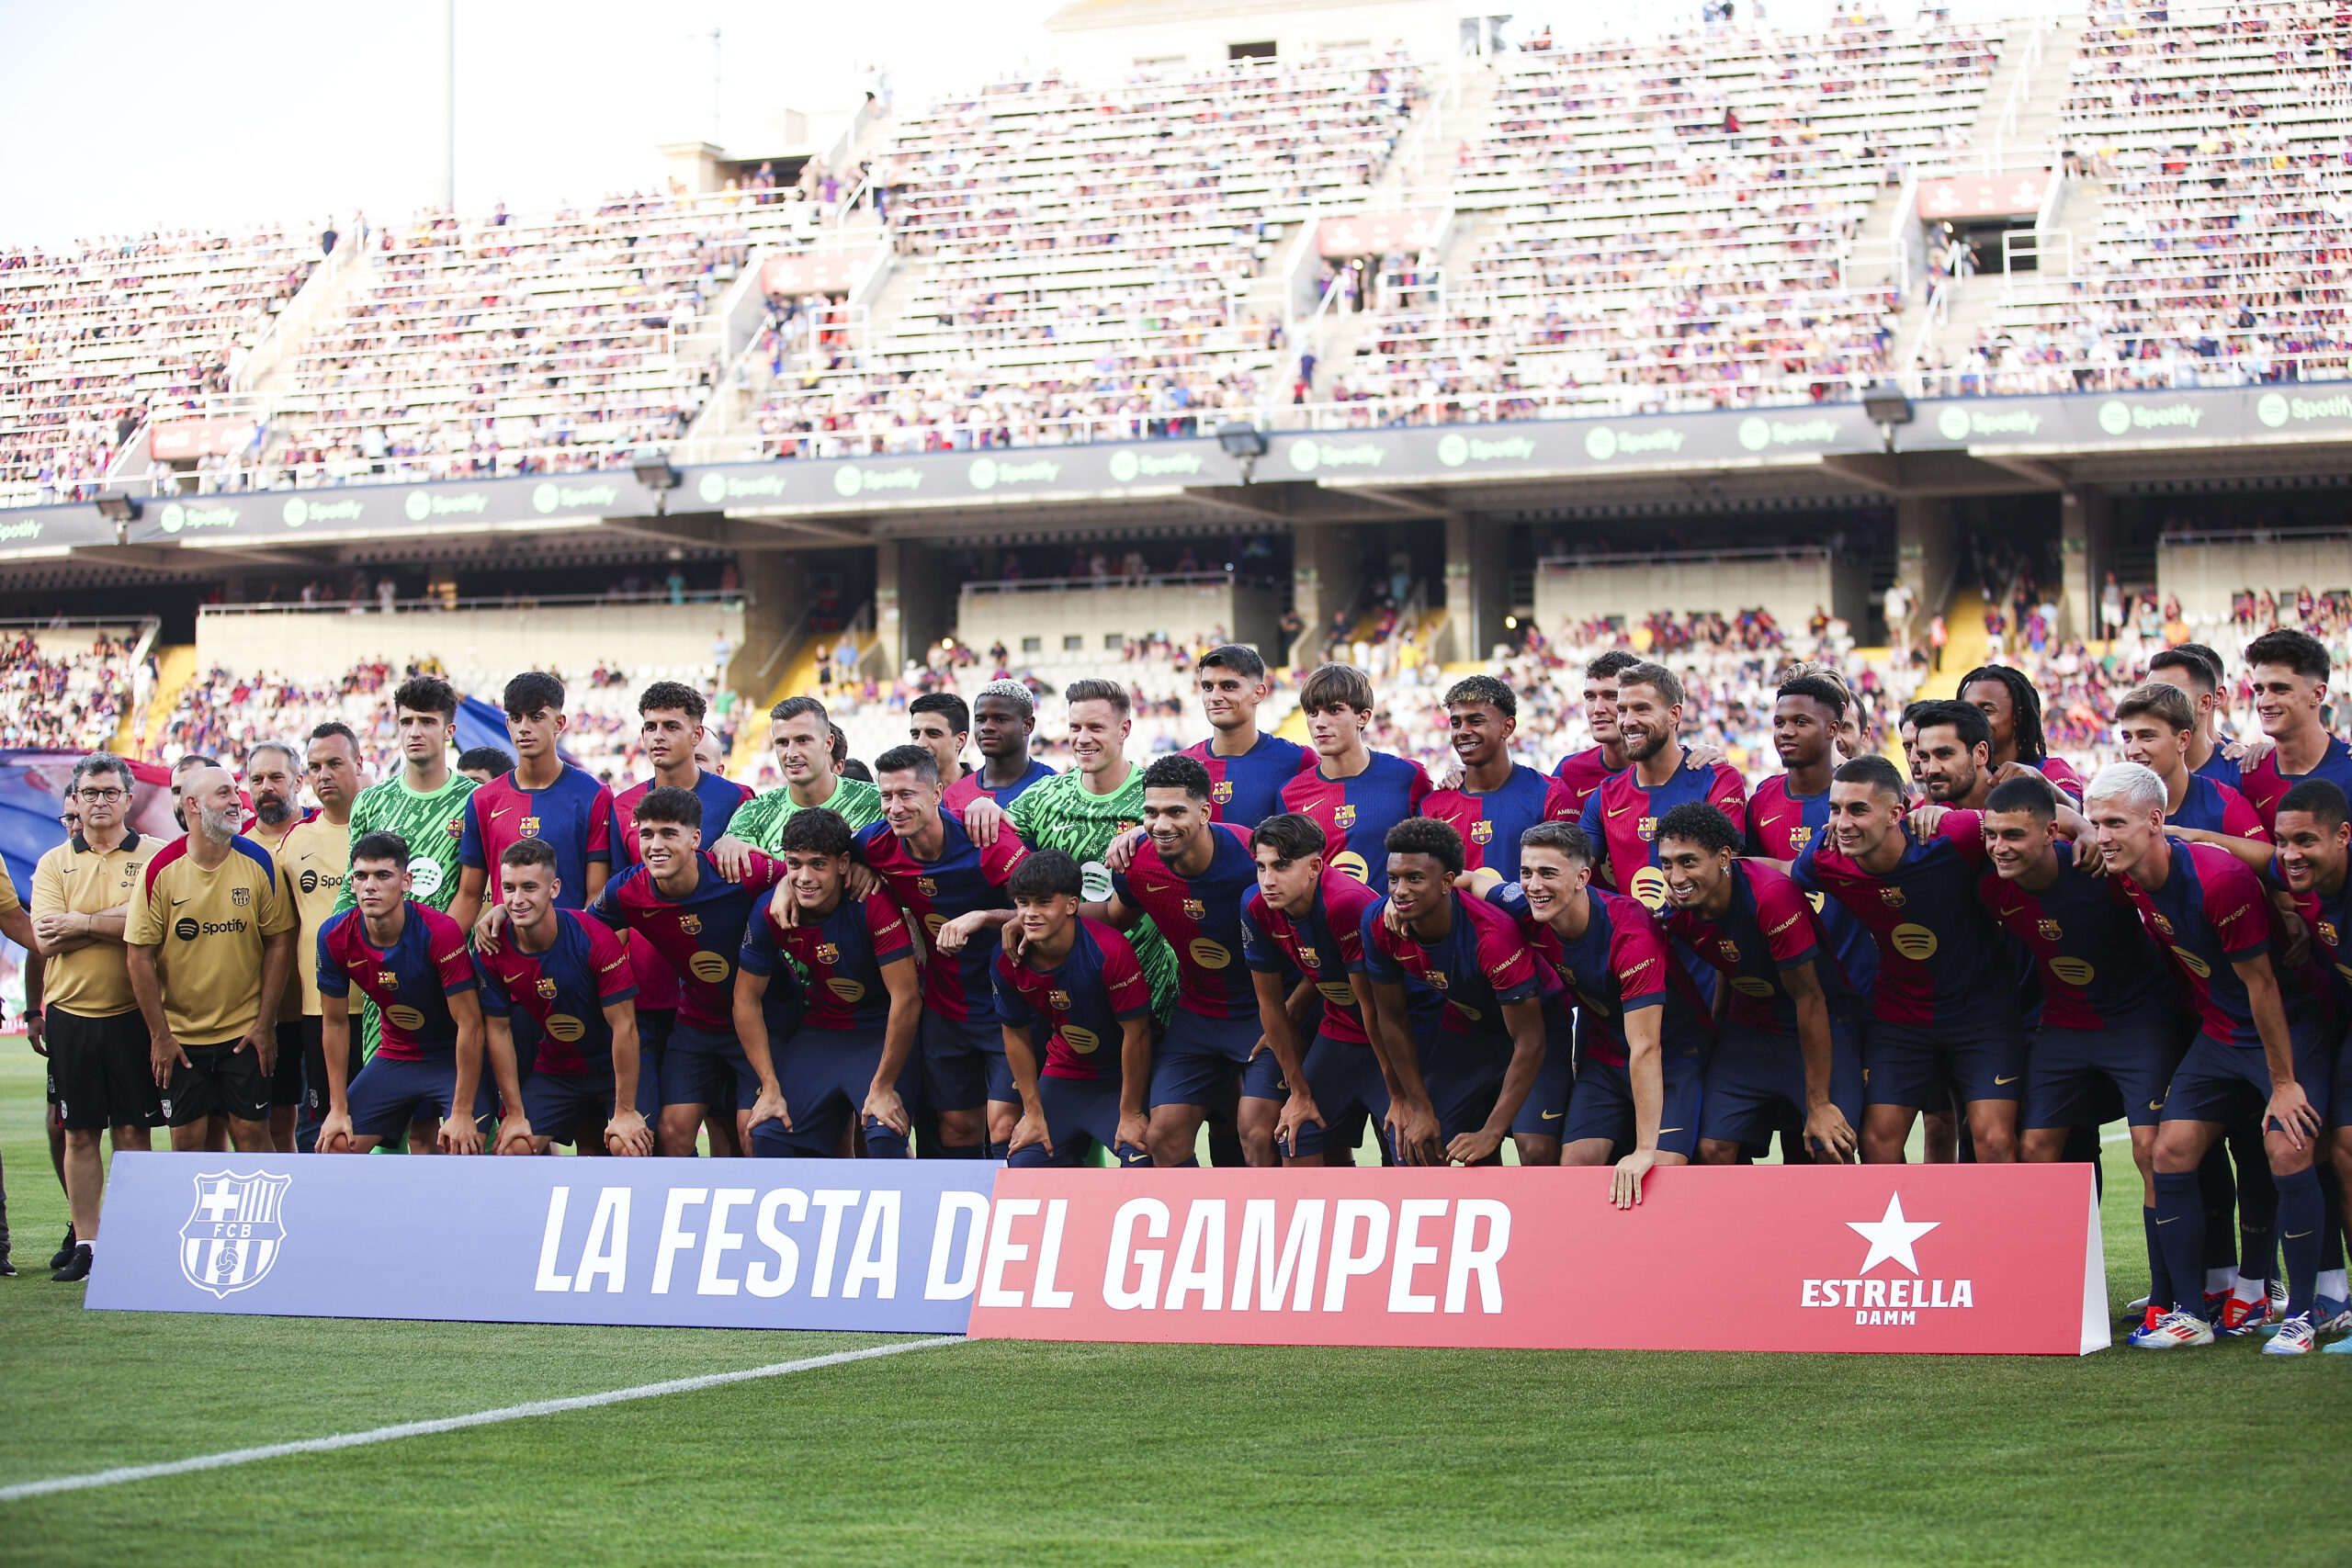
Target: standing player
[2157,724]
[426,1078]
[671,728]
[209,944]
[940,724]
[1080,980]
[1305,917]
[1788,1051]
[1461,1095]
[1622,815]
[1584,771]
[2265,1040]
[2314,857]
[1247,767]
[312,860]
[273,781]
[1791,809]
[2199,674]
[2289,671]
[1355,794]
[1645,1029]
[570,975]
[802,738]
[1188,880]
[1945,1006]
[2109,1004]
[99,1059]
[1496,799]
[954,887]
[542,797]
[1004,719]
[2012,710]
[853,1055]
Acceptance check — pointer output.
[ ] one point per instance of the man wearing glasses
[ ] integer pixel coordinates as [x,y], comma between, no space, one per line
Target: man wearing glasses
[99,1047]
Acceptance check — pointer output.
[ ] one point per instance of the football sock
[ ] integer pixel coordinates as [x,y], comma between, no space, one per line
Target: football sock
[2251,1290]
[2257,1203]
[2220,1194]
[2302,1214]
[1000,1150]
[2180,1224]
[2331,1255]
[2332,1285]
[2159,1276]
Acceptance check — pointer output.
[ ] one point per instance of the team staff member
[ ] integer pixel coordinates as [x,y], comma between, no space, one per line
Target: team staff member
[96,1039]
[313,858]
[211,944]
[940,724]
[273,784]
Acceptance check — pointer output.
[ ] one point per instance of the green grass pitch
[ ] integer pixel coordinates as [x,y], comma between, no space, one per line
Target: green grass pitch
[1041,1454]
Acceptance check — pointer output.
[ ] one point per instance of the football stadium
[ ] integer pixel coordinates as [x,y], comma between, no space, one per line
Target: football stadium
[1698,639]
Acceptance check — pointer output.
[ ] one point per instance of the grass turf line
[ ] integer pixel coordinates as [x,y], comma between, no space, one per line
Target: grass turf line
[1101,1454]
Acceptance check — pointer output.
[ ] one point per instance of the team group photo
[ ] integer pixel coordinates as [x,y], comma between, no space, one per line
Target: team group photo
[1318,725]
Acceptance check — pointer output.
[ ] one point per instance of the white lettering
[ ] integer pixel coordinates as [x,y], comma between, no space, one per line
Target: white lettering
[1002,1250]
[1301,1247]
[1411,1255]
[1181,463]
[1154,1213]
[832,1199]
[1470,1258]
[1812,1294]
[721,1241]
[1199,1258]
[1346,1262]
[1962,1295]
[1649,441]
[2189,414]
[876,1256]
[1874,1293]
[1938,1300]
[937,1286]
[1049,1259]
[606,1252]
[674,1240]
[549,1279]
[756,1278]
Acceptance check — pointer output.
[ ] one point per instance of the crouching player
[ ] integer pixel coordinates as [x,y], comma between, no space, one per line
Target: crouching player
[853,1053]
[410,962]
[1788,1051]
[1305,914]
[1080,980]
[569,977]
[1456,1095]
[1645,1030]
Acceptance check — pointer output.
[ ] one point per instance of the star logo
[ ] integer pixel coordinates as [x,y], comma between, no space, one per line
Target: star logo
[1891,1236]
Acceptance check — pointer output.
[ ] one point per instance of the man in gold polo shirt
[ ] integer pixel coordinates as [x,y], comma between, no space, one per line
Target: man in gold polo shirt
[98,1049]
[211,943]
[312,860]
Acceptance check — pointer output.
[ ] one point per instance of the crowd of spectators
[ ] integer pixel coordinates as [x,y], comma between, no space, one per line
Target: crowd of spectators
[63,690]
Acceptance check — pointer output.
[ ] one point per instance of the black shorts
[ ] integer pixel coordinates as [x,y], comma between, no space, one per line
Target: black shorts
[220,1080]
[286,1077]
[101,1072]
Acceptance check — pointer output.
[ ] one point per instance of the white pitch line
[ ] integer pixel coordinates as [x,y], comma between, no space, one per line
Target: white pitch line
[457,1422]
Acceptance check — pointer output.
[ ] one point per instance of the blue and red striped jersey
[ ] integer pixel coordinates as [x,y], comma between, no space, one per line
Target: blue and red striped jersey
[1201,918]
[561,993]
[411,982]
[1084,1002]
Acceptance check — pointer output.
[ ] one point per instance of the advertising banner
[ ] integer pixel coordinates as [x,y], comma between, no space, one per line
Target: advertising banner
[1377,234]
[734,1243]
[1985,196]
[1763,1258]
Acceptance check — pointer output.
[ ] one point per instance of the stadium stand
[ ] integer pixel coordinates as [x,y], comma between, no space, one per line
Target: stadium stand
[71,689]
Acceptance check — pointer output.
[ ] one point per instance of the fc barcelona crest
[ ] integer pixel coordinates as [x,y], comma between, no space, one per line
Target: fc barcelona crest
[690,924]
[235,1230]
[1482,831]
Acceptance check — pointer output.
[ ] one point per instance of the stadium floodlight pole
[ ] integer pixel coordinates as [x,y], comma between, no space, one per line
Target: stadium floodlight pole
[1887,407]
[1243,440]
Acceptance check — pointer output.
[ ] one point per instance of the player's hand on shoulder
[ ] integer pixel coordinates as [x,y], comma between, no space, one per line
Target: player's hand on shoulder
[485,931]
[732,856]
[2249,753]
[1923,820]
[1698,756]
[860,881]
[982,818]
[1121,854]
[1447,775]
[1625,1182]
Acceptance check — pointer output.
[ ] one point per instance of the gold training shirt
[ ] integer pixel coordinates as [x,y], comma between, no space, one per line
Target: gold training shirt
[313,858]
[207,927]
[76,879]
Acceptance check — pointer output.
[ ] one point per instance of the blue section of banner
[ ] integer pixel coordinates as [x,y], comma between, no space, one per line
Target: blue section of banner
[890,1246]
[482,723]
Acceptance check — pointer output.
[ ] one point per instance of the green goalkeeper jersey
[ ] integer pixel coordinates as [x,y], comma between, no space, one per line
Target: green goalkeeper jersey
[1059,814]
[760,820]
[430,825]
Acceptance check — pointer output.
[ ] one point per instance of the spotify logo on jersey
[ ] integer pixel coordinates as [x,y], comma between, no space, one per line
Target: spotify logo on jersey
[1749,985]
[1649,887]
[185,929]
[405,1017]
[708,967]
[1208,955]
[1915,943]
[847,990]
[565,1026]
[2074,971]
[1082,1040]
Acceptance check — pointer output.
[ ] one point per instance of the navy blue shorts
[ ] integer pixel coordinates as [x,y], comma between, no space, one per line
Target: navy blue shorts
[559,1103]
[1463,1073]
[1198,1058]
[388,1095]
[1081,1115]
[1347,1086]
[653,1027]
[1754,1085]
[707,1067]
[825,1074]
[963,1064]
[2072,1074]
[2219,1082]
[1546,1109]
[1602,1105]
[1908,1063]
[1263,1078]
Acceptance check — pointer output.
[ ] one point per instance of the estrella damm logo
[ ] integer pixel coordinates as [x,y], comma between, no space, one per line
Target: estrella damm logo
[1059,1001]
[1345,817]
[690,924]
[1208,955]
[709,967]
[1819,901]
[2047,930]
[1915,943]
[1647,829]
[829,953]
[1221,792]
[2074,971]
[846,990]
[388,979]
[1195,909]
[1749,985]
[1482,831]
[1080,1040]
[1649,887]
[405,1017]
[927,886]
[566,1028]
[1891,898]
[2193,964]
[547,987]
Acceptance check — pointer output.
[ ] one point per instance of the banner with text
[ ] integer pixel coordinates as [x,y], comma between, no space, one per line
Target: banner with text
[1766,1258]
[736,1244]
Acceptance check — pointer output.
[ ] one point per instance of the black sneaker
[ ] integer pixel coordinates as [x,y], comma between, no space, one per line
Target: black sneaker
[65,1254]
[77,1267]
[8,1267]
